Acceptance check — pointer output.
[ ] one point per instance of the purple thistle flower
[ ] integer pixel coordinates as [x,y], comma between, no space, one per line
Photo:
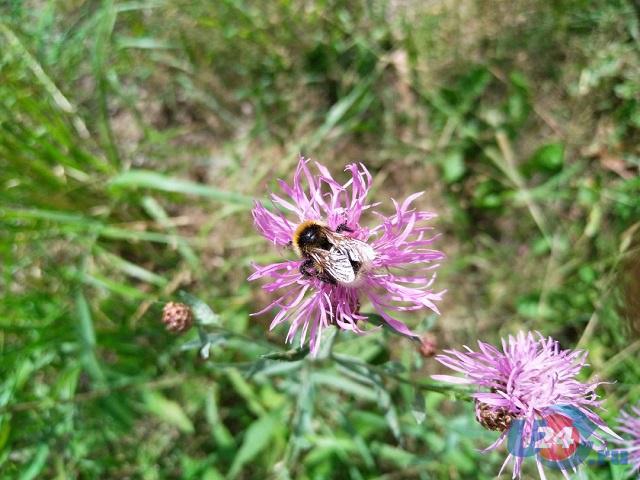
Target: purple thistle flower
[398,273]
[528,380]
[629,423]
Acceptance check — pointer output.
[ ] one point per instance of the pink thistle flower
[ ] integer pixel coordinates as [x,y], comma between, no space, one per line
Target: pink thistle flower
[531,379]
[396,276]
[629,423]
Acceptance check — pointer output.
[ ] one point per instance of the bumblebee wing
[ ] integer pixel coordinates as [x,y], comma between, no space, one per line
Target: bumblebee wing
[359,251]
[339,266]
[333,264]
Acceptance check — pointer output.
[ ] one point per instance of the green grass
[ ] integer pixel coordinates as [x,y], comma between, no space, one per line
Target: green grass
[134,137]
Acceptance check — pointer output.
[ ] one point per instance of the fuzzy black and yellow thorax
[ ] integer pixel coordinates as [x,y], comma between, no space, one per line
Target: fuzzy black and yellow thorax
[310,234]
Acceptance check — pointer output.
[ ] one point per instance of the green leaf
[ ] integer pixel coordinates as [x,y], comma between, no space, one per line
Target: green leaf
[135,179]
[169,411]
[292,355]
[147,43]
[131,269]
[153,208]
[470,87]
[344,384]
[5,430]
[548,158]
[452,165]
[378,321]
[221,434]
[339,111]
[85,323]
[417,408]
[245,390]
[67,382]
[88,339]
[37,463]
[201,311]
[256,439]
[398,456]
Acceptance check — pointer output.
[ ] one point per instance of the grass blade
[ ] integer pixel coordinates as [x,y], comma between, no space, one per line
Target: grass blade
[135,179]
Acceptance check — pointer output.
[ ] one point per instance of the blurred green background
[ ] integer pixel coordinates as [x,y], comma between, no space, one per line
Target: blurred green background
[133,137]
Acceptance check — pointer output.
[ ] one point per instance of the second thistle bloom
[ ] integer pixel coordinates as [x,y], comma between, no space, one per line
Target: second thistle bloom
[531,379]
[629,425]
[392,262]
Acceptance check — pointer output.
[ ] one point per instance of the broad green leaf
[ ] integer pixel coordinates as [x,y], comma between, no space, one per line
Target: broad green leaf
[452,165]
[201,311]
[548,158]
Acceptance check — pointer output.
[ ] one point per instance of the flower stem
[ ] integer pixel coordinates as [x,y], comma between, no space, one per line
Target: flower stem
[455,392]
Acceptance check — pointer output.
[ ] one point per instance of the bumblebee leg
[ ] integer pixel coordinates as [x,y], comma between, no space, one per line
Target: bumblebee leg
[355,265]
[343,228]
[306,268]
[326,278]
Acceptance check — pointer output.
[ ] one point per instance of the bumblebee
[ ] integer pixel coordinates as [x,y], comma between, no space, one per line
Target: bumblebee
[333,257]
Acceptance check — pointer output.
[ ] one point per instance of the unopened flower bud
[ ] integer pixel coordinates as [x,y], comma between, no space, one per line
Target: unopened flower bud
[177,317]
[428,345]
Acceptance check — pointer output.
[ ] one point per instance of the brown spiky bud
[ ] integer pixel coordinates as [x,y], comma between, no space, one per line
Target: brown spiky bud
[177,317]
[493,418]
[428,345]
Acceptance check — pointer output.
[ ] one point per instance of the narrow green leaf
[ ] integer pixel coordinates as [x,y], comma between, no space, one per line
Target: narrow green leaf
[117,287]
[87,336]
[5,430]
[158,213]
[87,333]
[36,465]
[222,436]
[417,408]
[256,439]
[246,391]
[344,384]
[169,411]
[396,455]
[146,43]
[135,179]
[292,355]
[131,269]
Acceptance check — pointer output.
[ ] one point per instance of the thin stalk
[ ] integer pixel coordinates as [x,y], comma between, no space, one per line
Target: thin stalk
[419,384]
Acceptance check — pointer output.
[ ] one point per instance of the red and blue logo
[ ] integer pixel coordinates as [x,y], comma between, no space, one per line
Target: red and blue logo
[560,438]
